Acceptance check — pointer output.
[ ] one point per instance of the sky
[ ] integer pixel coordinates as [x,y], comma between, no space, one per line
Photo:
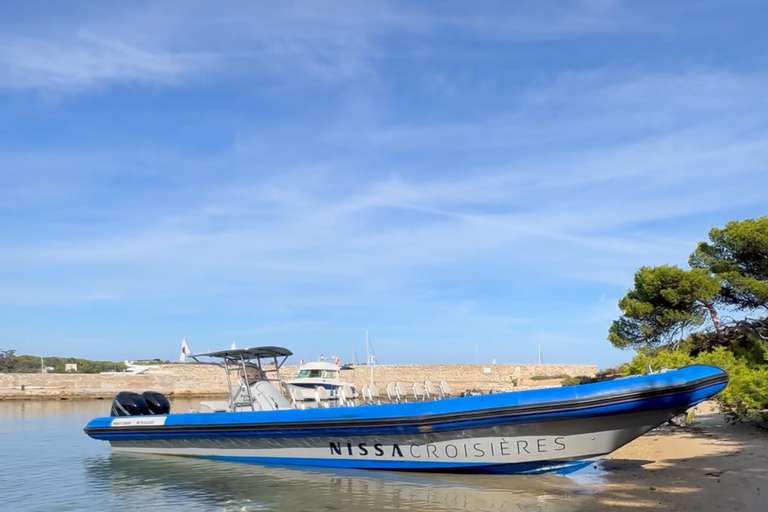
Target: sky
[464,181]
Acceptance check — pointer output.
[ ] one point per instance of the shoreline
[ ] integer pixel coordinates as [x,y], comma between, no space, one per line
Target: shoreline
[708,466]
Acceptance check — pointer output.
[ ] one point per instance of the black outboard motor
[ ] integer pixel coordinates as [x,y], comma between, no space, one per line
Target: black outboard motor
[157,402]
[128,403]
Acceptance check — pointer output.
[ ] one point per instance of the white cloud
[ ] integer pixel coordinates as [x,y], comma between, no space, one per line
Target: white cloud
[576,212]
[575,228]
[86,61]
[167,43]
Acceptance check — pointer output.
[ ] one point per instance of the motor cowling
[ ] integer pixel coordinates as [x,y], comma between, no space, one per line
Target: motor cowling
[128,403]
[157,402]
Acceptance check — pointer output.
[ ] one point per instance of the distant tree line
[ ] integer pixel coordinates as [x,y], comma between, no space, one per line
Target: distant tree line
[714,312]
[11,363]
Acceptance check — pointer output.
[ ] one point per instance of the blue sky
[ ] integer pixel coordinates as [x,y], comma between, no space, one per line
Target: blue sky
[456,178]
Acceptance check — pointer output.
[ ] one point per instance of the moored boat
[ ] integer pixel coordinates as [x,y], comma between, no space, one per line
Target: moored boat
[555,430]
[313,375]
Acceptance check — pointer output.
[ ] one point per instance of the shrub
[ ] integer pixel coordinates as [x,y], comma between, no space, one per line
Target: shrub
[580,379]
[549,377]
[610,373]
[746,397]
[747,394]
[657,360]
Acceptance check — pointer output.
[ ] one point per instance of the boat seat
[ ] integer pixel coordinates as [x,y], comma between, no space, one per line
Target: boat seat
[418,391]
[263,397]
[364,393]
[321,397]
[429,391]
[402,396]
[346,395]
[391,393]
[373,394]
[445,389]
[267,398]
[214,406]
[297,398]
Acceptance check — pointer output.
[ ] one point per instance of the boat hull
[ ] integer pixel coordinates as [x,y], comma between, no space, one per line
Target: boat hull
[545,431]
[558,446]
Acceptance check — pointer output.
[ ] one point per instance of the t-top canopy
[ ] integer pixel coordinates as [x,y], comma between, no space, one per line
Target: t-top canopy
[248,353]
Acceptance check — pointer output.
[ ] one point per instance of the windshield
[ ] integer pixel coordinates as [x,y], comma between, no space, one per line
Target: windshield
[316,374]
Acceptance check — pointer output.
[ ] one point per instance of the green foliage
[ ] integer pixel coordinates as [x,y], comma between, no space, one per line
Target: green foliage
[665,315]
[610,373]
[11,363]
[549,377]
[580,379]
[7,361]
[738,255]
[666,303]
[747,394]
[606,374]
[657,360]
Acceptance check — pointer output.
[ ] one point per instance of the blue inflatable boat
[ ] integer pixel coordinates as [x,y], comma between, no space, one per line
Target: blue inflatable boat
[556,430]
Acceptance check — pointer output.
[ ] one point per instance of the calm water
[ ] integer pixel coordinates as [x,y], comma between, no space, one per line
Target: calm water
[49,464]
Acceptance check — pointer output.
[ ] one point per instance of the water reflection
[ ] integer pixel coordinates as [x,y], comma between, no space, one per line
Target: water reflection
[50,464]
[148,481]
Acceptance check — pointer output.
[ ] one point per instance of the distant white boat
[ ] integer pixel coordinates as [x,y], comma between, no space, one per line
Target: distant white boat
[138,369]
[133,369]
[313,375]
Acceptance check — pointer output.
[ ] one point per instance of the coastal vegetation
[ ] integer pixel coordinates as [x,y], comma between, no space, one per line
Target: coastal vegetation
[605,374]
[549,377]
[11,363]
[715,312]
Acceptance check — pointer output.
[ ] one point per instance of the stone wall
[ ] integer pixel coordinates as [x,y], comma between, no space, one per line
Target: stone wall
[469,376]
[208,380]
[177,379]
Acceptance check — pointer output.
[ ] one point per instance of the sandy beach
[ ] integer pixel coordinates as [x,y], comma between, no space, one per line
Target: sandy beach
[709,466]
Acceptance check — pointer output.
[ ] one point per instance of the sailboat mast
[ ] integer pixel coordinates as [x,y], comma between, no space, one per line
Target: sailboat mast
[368,358]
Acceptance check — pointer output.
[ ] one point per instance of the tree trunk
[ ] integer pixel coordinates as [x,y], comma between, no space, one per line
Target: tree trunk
[714,316]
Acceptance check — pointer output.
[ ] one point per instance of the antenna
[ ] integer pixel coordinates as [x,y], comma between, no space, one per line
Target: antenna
[370,353]
[370,359]
[539,354]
